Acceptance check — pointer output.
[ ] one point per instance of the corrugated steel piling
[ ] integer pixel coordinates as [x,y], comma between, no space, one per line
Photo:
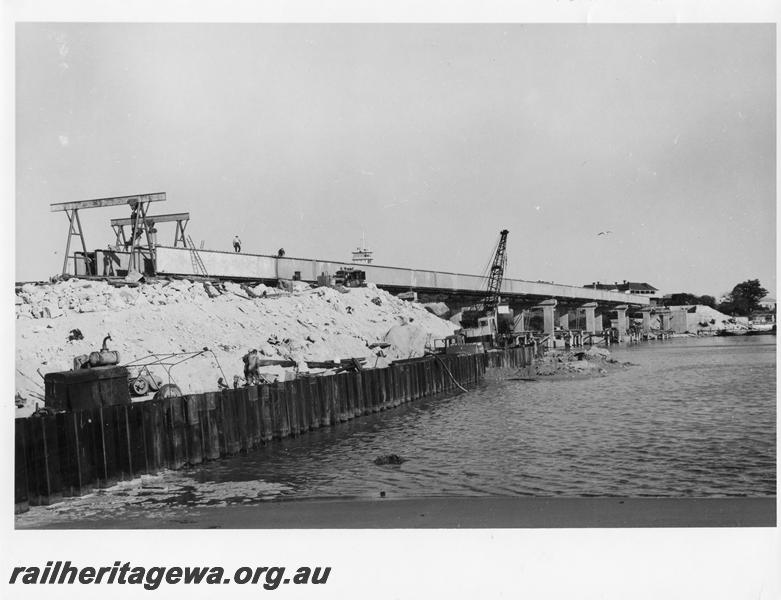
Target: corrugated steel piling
[71,453]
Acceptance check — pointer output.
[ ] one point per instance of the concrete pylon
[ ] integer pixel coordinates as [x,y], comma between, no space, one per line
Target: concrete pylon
[521,319]
[664,318]
[598,328]
[646,312]
[564,320]
[548,315]
[590,309]
[621,319]
[679,320]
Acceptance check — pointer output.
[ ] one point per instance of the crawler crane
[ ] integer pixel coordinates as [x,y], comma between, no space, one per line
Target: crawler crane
[490,321]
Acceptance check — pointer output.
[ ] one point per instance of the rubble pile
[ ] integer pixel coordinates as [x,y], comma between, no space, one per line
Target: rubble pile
[297,324]
[574,364]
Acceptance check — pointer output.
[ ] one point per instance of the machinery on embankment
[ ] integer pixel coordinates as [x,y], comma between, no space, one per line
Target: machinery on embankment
[490,322]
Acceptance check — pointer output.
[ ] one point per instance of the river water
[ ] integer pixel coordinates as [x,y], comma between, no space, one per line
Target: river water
[693,417]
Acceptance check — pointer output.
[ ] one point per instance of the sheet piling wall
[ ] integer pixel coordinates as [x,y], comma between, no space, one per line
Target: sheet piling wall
[72,453]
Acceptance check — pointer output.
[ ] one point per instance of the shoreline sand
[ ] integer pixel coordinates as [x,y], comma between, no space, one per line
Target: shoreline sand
[454,513]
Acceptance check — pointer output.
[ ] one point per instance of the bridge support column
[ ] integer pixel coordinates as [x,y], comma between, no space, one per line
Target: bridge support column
[679,320]
[646,312]
[590,310]
[564,320]
[548,318]
[520,321]
[621,320]
[665,317]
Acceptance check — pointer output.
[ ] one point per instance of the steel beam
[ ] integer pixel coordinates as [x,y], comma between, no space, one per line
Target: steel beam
[152,219]
[103,202]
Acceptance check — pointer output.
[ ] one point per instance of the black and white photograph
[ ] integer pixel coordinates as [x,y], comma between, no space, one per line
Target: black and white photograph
[277,278]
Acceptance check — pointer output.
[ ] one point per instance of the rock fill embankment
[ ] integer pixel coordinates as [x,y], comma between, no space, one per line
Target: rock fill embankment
[303,324]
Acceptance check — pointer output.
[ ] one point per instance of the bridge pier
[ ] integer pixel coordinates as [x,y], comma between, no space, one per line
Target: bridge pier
[621,321]
[548,318]
[679,320]
[590,309]
[664,319]
[646,312]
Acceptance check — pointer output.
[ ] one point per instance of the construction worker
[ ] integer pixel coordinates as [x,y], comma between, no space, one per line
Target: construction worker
[236,244]
[281,252]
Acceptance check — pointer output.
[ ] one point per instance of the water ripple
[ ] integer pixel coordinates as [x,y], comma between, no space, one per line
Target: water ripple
[696,417]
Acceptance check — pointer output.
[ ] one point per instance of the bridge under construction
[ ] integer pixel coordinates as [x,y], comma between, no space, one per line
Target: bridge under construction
[141,251]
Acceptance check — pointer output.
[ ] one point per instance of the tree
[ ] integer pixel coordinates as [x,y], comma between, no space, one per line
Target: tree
[708,301]
[744,298]
[681,299]
[685,298]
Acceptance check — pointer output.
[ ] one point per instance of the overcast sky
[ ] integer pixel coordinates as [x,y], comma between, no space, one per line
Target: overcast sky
[428,138]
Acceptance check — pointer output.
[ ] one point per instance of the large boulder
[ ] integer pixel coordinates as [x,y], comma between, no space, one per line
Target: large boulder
[406,340]
[438,308]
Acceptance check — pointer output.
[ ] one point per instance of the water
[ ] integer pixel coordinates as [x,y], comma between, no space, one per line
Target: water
[695,417]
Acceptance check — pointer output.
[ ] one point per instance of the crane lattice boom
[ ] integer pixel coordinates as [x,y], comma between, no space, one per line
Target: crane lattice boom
[496,275]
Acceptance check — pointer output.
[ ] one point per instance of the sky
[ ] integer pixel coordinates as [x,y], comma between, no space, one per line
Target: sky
[427,139]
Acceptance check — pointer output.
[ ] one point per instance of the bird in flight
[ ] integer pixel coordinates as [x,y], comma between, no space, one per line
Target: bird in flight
[608,232]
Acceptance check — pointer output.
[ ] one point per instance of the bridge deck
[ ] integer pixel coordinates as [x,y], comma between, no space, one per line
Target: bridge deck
[179,261]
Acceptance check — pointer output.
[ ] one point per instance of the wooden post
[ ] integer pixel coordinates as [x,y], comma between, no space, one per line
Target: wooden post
[376,379]
[313,400]
[350,388]
[304,410]
[323,401]
[125,468]
[368,397]
[255,424]
[67,436]
[88,430]
[193,432]
[21,485]
[291,406]
[393,380]
[279,412]
[36,467]
[174,431]
[266,414]
[383,388]
[229,435]
[342,395]
[108,467]
[333,399]
[210,418]
[138,450]
[357,387]
[242,412]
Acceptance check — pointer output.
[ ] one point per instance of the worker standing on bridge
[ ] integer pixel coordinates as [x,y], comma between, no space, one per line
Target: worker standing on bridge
[236,244]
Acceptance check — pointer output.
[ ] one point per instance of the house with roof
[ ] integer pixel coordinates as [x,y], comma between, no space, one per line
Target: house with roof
[627,287]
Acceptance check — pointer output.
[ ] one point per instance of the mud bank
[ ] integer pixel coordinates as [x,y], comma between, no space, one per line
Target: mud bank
[416,513]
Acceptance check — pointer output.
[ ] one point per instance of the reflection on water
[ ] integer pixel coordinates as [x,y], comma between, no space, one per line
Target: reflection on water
[695,417]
